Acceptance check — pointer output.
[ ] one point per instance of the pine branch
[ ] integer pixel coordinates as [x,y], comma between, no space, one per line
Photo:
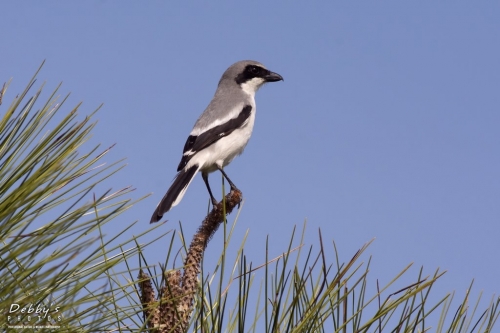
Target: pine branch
[177,295]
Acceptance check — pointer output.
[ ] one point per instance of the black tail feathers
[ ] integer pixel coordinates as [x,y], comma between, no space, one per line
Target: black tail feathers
[175,192]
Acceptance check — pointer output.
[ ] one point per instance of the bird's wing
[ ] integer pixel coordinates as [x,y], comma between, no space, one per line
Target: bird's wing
[195,143]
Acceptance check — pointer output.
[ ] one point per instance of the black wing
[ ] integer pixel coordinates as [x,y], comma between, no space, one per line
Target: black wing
[196,143]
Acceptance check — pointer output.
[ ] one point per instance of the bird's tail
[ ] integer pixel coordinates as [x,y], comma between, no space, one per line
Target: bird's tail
[175,192]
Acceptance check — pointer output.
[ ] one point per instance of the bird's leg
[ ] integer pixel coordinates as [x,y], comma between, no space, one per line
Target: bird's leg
[233,187]
[204,175]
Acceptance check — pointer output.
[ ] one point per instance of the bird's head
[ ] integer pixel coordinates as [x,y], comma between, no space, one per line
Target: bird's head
[250,75]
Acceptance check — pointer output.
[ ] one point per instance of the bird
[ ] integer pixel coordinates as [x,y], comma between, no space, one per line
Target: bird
[221,132]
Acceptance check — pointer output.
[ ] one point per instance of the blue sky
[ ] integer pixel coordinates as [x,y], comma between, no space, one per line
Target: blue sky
[387,124]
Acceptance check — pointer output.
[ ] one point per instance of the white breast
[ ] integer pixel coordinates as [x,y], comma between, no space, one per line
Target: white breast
[222,152]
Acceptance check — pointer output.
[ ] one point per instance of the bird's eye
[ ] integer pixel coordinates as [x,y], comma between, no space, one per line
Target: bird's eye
[254,70]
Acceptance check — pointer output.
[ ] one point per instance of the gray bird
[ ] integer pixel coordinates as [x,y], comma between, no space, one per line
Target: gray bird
[222,131]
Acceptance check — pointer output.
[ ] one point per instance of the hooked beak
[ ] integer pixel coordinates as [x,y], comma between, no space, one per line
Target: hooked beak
[273,77]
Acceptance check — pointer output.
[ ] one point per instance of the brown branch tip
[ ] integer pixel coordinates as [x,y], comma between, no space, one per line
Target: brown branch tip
[173,309]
